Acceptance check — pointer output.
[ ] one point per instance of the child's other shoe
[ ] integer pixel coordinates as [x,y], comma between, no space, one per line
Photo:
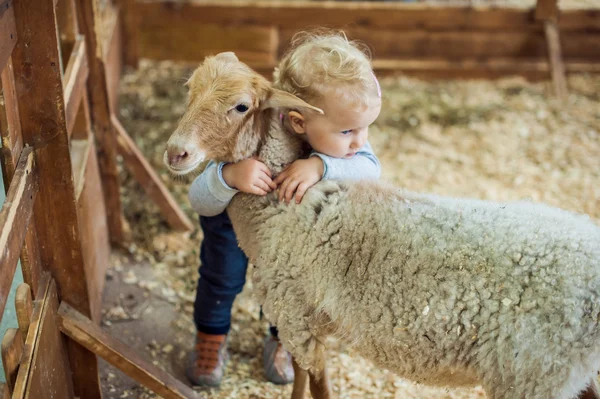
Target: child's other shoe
[277,362]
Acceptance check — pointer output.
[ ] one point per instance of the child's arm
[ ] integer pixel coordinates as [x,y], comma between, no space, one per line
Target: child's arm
[305,173]
[363,165]
[209,195]
[211,192]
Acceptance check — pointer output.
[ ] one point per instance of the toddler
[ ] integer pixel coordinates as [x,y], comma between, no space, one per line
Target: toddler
[335,75]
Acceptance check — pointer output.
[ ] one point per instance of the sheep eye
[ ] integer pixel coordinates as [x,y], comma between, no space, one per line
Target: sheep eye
[241,108]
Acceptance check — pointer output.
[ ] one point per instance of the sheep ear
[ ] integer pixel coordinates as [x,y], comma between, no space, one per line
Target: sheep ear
[227,56]
[283,99]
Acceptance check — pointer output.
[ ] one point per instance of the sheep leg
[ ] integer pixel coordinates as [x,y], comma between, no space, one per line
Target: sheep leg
[592,392]
[320,386]
[300,379]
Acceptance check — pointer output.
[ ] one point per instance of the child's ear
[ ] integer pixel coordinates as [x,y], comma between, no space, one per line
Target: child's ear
[283,99]
[297,122]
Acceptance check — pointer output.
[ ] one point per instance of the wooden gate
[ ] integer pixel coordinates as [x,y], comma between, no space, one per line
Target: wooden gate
[60,138]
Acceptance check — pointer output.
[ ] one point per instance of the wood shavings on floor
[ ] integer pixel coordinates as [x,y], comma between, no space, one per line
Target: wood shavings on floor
[503,140]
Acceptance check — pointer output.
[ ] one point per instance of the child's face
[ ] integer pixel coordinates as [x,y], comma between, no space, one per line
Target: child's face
[342,130]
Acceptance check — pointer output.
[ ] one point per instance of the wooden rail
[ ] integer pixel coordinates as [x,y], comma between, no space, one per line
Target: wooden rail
[84,331]
[14,220]
[149,180]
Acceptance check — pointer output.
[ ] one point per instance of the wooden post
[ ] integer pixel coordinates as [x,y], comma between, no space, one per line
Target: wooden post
[100,114]
[42,113]
[557,66]
[548,12]
[129,25]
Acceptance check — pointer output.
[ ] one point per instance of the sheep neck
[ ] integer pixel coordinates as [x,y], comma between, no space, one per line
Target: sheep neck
[280,147]
[249,212]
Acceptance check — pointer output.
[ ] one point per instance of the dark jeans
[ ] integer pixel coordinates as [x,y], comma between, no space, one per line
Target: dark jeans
[222,275]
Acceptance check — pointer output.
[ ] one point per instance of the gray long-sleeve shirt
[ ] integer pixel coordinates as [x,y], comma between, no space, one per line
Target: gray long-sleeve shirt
[209,194]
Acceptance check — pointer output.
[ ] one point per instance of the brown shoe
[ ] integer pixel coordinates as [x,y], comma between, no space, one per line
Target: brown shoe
[208,360]
[277,362]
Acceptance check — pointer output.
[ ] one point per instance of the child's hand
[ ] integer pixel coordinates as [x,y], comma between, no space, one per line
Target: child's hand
[299,177]
[249,176]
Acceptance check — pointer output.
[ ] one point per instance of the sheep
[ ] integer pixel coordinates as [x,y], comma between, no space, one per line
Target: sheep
[442,291]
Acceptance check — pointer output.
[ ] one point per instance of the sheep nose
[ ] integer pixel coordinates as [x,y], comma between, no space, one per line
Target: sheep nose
[176,156]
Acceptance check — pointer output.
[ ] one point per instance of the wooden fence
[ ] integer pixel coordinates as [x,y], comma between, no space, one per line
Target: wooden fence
[60,137]
[420,39]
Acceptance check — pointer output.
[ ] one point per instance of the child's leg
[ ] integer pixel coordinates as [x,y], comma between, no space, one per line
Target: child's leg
[222,275]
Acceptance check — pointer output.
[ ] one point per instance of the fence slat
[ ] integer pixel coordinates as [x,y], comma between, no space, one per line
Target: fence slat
[32,337]
[49,375]
[74,82]
[44,370]
[8,32]
[14,219]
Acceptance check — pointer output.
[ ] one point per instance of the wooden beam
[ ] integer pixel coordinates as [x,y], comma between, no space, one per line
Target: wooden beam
[469,68]
[376,15]
[10,125]
[43,122]
[251,43]
[83,330]
[130,25]
[12,350]
[74,83]
[547,10]
[12,145]
[46,367]
[100,115]
[8,32]
[149,180]
[24,307]
[14,219]
[453,45]
[301,14]
[114,61]
[557,66]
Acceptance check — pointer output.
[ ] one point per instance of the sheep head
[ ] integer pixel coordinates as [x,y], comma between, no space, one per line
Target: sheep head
[227,116]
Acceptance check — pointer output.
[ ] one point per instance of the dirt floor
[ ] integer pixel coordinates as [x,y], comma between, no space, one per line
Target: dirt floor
[504,140]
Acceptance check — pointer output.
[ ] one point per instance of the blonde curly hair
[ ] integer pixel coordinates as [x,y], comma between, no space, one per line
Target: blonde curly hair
[325,62]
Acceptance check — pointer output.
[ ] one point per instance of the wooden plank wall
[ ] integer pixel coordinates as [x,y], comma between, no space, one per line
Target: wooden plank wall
[491,40]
